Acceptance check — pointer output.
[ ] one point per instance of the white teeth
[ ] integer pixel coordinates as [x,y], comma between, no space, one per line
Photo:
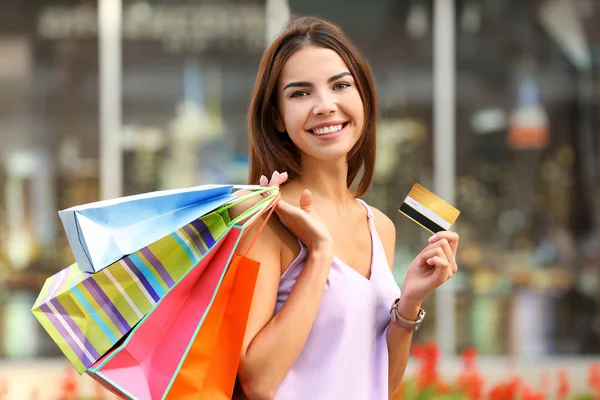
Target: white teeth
[328,129]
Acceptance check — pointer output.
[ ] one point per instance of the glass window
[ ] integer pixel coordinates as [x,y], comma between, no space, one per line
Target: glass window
[527,183]
[188,71]
[49,153]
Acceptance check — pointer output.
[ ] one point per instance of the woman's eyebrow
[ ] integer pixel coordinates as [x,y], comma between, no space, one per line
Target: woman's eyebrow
[308,84]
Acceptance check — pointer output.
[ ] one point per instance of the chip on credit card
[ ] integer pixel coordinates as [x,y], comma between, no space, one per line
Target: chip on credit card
[428,210]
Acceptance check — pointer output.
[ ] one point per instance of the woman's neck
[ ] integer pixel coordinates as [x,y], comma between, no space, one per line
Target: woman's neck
[327,182]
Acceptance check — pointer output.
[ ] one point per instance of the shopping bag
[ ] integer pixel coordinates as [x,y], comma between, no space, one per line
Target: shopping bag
[87,314]
[210,366]
[144,364]
[103,232]
[142,367]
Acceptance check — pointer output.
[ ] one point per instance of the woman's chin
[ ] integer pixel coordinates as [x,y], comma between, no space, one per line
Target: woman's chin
[331,155]
[329,151]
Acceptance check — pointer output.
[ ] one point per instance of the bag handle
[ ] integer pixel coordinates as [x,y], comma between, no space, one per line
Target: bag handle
[268,203]
[264,209]
[263,224]
[256,208]
[254,193]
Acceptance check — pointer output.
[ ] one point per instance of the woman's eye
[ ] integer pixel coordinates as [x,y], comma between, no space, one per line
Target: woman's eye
[299,93]
[341,85]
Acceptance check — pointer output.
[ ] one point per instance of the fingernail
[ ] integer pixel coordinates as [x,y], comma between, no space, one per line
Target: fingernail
[284,174]
[433,237]
[430,261]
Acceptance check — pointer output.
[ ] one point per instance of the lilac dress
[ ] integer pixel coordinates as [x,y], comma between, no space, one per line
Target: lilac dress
[345,356]
[346,353]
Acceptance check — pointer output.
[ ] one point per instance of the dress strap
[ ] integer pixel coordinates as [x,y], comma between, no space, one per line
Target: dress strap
[369,213]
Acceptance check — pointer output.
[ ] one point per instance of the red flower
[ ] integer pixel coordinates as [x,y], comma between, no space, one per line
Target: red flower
[470,380]
[594,378]
[506,391]
[472,384]
[428,355]
[531,394]
[469,358]
[69,388]
[442,387]
[563,385]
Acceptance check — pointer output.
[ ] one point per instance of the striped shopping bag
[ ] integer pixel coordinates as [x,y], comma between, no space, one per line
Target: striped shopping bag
[87,314]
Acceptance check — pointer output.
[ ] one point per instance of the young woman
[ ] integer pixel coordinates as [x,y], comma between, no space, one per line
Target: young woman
[327,319]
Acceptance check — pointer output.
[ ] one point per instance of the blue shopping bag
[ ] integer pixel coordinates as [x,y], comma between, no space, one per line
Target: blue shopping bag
[103,232]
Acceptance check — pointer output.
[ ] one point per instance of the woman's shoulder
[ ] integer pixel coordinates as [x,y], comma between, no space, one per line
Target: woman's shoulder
[383,223]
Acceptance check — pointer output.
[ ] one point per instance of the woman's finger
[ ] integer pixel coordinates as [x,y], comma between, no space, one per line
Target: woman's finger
[438,262]
[284,210]
[263,181]
[282,178]
[451,237]
[431,253]
[274,179]
[445,246]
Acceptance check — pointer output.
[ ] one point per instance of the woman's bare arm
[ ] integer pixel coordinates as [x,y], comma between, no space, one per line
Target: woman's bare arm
[273,342]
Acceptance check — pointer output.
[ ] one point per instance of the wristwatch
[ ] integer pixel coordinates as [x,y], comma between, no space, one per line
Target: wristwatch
[403,322]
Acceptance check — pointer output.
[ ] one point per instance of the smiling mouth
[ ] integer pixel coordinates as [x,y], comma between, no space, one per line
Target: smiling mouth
[328,130]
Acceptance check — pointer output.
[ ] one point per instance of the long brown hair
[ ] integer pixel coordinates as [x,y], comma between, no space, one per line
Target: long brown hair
[273,151]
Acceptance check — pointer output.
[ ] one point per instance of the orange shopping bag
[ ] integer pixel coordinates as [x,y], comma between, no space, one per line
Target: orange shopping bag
[210,366]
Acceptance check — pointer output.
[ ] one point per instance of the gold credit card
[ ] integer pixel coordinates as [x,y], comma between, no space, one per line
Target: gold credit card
[428,210]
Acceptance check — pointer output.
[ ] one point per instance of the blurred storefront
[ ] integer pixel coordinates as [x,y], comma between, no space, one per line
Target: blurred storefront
[527,148]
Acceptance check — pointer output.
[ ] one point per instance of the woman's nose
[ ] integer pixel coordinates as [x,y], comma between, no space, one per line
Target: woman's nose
[324,106]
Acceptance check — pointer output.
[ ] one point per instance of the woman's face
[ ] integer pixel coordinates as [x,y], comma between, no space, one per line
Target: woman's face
[319,104]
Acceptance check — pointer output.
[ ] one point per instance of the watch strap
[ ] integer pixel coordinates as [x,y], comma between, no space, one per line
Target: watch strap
[403,322]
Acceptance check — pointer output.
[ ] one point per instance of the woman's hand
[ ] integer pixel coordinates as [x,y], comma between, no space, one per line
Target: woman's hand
[302,221]
[432,267]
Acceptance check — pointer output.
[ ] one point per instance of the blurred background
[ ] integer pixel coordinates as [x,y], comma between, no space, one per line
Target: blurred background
[110,98]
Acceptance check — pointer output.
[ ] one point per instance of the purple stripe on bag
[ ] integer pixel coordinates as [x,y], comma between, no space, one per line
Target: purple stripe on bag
[155,262]
[102,299]
[204,232]
[67,336]
[194,236]
[142,279]
[76,330]
[69,320]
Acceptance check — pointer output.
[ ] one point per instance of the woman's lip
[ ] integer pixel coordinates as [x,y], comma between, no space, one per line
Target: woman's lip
[333,123]
[330,136]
